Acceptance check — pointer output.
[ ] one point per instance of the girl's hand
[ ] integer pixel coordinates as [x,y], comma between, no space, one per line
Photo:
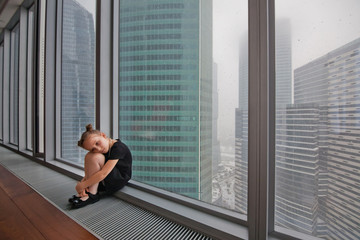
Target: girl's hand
[80,189]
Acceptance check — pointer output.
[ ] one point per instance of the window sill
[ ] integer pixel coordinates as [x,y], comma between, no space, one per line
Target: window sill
[205,218]
[213,221]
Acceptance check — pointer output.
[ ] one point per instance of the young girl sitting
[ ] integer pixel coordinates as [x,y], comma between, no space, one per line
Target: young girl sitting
[107,167]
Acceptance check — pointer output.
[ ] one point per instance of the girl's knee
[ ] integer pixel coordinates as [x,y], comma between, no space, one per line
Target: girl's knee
[98,158]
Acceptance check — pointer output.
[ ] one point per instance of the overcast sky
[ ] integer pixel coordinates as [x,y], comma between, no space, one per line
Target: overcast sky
[318,26]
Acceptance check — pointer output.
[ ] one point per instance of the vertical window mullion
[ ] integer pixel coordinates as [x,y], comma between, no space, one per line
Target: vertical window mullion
[271,143]
[104,56]
[258,119]
[50,70]
[115,72]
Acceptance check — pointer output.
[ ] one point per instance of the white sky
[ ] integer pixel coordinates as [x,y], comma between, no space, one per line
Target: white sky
[318,26]
[90,5]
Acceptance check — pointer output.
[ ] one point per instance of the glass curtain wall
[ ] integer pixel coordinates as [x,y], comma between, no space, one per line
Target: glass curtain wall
[29,78]
[40,83]
[77,75]
[317,117]
[180,72]
[14,84]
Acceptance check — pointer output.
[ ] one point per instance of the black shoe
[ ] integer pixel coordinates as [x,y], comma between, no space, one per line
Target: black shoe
[71,200]
[78,203]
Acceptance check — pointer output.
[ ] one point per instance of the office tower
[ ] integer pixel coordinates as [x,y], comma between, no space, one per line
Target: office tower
[298,138]
[283,63]
[77,77]
[331,81]
[283,69]
[165,93]
[215,109]
[241,131]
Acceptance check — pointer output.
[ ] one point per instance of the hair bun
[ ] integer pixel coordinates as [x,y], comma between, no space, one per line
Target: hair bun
[89,127]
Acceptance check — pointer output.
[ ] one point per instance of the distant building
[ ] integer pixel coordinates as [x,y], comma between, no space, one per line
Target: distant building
[297,175]
[215,110]
[165,93]
[332,82]
[77,77]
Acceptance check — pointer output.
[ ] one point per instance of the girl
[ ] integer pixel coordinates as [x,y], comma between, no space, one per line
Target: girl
[107,167]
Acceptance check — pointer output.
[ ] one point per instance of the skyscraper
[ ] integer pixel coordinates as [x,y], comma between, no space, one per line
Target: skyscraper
[77,77]
[165,92]
[241,131]
[332,81]
[297,181]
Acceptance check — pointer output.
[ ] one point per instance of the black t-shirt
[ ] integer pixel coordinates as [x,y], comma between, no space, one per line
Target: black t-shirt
[121,173]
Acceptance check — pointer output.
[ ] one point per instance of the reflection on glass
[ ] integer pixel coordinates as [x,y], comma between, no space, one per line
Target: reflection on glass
[317,133]
[14,85]
[178,78]
[77,75]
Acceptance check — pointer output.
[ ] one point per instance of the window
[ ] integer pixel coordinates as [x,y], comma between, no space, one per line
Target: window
[40,85]
[29,78]
[317,137]
[14,84]
[183,75]
[77,75]
[183,96]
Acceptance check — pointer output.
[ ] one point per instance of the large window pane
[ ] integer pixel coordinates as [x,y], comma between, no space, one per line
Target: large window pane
[77,75]
[14,85]
[178,93]
[29,78]
[40,85]
[317,117]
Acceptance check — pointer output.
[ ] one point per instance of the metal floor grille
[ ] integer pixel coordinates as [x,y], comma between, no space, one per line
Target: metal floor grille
[110,218]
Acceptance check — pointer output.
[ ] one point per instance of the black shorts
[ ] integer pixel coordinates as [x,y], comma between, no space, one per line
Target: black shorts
[113,182]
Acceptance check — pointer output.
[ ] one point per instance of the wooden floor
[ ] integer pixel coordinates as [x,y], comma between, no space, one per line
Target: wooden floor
[25,214]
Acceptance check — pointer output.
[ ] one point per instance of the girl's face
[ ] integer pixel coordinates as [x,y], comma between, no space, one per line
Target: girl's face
[96,143]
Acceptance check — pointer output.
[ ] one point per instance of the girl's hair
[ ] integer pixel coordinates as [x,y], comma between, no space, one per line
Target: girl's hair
[87,133]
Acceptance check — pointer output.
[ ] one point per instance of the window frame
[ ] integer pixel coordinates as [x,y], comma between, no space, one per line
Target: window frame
[260,219]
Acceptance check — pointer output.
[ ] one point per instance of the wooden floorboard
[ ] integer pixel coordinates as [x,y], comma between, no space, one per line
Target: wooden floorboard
[25,214]
[13,223]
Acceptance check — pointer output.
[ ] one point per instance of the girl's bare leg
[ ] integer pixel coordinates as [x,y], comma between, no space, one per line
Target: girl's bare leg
[94,162]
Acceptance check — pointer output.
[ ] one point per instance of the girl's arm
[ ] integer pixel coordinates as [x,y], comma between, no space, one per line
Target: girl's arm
[97,177]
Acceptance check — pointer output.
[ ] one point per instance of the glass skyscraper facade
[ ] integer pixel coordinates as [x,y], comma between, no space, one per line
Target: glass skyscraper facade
[77,77]
[331,82]
[165,93]
[298,174]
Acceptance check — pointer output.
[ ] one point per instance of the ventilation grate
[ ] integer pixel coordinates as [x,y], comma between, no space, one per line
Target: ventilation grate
[110,218]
